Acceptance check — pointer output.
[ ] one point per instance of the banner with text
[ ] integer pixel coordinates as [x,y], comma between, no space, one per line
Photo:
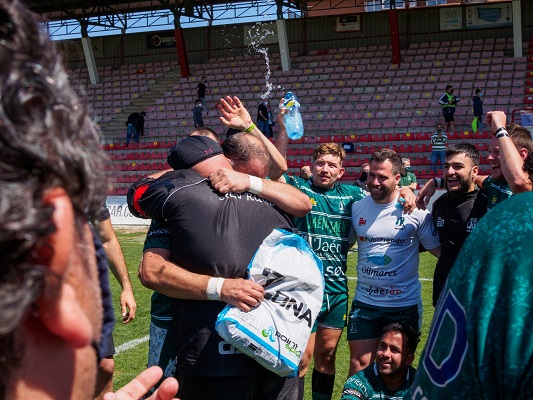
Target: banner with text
[120,214]
[451,18]
[489,16]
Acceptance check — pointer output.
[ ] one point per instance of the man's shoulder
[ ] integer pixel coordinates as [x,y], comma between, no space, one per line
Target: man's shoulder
[359,386]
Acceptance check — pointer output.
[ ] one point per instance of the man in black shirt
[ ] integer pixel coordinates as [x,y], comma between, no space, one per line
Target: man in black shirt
[213,237]
[202,90]
[456,212]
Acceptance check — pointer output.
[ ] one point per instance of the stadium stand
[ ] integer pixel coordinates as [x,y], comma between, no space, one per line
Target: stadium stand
[352,95]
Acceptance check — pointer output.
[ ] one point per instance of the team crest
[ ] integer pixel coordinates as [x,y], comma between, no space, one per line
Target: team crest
[471,224]
[399,225]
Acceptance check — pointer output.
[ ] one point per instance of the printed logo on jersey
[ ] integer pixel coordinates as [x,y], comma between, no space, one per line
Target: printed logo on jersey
[378,272]
[313,202]
[440,222]
[362,222]
[269,333]
[342,207]
[378,259]
[381,239]
[356,394]
[471,224]
[399,224]
[371,290]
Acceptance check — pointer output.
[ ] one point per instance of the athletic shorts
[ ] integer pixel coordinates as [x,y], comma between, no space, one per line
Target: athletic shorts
[448,113]
[266,386]
[333,312]
[367,322]
[162,347]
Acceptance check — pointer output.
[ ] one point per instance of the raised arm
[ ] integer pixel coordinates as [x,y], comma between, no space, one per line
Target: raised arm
[511,158]
[235,115]
[286,197]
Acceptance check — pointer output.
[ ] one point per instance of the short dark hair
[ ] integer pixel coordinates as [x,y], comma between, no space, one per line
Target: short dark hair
[528,163]
[448,87]
[520,136]
[468,149]
[240,148]
[478,91]
[412,336]
[143,113]
[384,154]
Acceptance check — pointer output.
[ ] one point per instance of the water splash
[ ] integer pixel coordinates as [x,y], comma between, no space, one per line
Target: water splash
[257,35]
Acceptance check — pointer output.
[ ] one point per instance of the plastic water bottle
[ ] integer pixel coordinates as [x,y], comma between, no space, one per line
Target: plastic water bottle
[293,119]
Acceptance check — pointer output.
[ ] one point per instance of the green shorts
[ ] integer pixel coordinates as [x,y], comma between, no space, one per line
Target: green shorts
[367,322]
[333,312]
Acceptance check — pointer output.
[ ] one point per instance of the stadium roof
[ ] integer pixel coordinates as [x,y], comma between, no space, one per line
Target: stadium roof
[82,9]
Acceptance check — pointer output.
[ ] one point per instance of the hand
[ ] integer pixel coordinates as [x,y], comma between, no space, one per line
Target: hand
[139,386]
[234,115]
[226,180]
[281,117]
[496,119]
[409,197]
[128,305]
[424,194]
[242,293]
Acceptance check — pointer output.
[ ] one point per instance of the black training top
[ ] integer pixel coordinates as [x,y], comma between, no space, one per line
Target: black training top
[211,234]
[454,216]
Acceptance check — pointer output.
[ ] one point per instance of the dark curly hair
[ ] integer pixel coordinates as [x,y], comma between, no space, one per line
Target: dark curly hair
[46,141]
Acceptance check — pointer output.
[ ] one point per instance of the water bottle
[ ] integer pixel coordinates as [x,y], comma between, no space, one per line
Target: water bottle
[293,119]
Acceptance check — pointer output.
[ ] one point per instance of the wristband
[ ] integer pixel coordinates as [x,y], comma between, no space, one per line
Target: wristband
[499,130]
[501,133]
[256,185]
[214,288]
[250,128]
[439,182]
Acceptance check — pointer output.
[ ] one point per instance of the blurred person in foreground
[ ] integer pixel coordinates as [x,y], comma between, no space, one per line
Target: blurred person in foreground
[52,178]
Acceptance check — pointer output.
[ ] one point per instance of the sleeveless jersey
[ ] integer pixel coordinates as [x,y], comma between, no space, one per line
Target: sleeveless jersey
[388,257]
[327,227]
[480,343]
[368,385]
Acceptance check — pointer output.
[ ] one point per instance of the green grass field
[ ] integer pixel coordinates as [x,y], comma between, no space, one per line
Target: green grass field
[130,361]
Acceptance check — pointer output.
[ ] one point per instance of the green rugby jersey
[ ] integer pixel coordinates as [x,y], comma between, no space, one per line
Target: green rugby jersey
[368,385]
[480,344]
[327,227]
[496,191]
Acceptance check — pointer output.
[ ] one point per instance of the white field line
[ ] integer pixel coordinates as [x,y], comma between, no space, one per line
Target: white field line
[131,344]
[351,278]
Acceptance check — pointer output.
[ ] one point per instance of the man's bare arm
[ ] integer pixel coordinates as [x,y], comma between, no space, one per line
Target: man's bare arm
[511,158]
[117,265]
[286,197]
[158,273]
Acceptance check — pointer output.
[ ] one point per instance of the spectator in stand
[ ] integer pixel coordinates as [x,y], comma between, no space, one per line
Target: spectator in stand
[448,101]
[478,109]
[202,90]
[438,148]
[407,178]
[271,121]
[391,375]
[361,182]
[262,118]
[197,114]
[135,124]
